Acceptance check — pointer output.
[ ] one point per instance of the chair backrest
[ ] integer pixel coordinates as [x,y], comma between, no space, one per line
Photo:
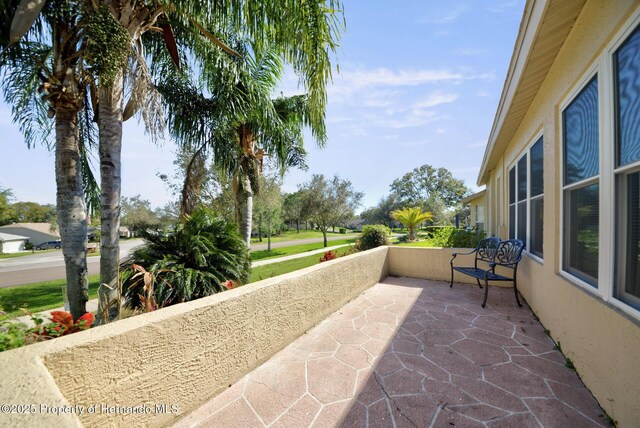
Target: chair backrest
[509,252]
[486,249]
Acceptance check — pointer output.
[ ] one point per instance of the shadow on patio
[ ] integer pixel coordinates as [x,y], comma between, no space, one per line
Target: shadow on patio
[412,353]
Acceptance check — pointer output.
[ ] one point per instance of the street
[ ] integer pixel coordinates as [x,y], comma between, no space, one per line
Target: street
[49,265]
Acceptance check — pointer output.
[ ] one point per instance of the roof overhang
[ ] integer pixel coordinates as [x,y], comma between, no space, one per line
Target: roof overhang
[470,198]
[544,28]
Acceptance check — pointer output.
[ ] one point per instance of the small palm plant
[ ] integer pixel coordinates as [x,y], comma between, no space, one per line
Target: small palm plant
[195,260]
[411,217]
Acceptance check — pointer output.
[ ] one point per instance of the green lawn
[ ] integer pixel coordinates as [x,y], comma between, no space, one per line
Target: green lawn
[24,253]
[39,296]
[424,243]
[275,269]
[295,249]
[292,235]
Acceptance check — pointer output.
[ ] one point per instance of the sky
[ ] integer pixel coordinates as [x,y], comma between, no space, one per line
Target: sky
[419,83]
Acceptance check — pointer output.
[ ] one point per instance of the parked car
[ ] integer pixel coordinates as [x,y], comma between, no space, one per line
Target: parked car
[49,245]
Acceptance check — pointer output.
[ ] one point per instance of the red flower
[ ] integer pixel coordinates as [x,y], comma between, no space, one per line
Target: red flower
[228,284]
[62,317]
[87,318]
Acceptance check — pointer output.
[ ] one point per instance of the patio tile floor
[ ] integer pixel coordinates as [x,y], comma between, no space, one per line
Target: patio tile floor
[412,353]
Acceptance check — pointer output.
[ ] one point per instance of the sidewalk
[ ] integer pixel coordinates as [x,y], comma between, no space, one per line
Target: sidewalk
[92,305]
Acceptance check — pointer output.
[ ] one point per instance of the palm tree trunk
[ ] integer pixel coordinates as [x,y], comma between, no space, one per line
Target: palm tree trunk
[70,207]
[244,208]
[110,125]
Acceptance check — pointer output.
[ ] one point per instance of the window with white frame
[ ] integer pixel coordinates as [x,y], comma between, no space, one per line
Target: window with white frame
[526,196]
[581,185]
[626,80]
[480,217]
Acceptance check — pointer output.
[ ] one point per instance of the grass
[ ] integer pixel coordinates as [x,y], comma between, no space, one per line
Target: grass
[39,296]
[275,269]
[24,253]
[295,249]
[426,243]
[292,235]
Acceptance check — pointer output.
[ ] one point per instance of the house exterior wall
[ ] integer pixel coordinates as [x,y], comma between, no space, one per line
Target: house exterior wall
[35,237]
[474,205]
[601,338]
[7,247]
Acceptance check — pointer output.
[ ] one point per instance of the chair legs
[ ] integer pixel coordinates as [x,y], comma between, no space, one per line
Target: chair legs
[451,285]
[486,292]
[478,280]
[515,290]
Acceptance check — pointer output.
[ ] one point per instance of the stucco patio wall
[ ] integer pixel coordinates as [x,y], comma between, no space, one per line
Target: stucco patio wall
[428,263]
[178,356]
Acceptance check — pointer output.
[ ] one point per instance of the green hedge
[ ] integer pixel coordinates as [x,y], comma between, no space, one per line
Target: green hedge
[449,236]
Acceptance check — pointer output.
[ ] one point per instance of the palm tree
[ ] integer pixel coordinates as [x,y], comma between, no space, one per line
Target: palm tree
[44,56]
[239,125]
[304,33]
[411,217]
[194,261]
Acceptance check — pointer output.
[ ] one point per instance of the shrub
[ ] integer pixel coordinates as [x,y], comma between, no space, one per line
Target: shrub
[12,334]
[449,236]
[329,255]
[193,261]
[343,230]
[28,246]
[373,236]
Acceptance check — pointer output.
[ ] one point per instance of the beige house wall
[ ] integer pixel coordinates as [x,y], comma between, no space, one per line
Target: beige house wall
[473,204]
[602,340]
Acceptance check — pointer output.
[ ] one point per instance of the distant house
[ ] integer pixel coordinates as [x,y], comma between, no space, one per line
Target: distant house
[125,232]
[35,232]
[477,203]
[357,224]
[11,243]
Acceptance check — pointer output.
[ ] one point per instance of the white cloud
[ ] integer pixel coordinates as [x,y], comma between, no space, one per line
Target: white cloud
[472,51]
[448,17]
[436,98]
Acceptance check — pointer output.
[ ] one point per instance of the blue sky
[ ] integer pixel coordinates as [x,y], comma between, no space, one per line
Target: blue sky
[419,83]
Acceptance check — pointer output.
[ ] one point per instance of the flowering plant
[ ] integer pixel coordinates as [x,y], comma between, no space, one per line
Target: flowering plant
[61,324]
[329,255]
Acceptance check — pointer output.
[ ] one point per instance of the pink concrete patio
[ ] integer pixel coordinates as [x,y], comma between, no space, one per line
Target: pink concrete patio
[412,353]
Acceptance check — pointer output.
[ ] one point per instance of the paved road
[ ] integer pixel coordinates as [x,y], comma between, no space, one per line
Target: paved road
[50,265]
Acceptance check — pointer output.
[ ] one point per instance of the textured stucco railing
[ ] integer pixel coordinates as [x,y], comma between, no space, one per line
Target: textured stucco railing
[178,356]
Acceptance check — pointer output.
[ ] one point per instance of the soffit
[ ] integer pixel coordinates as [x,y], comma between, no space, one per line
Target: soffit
[544,28]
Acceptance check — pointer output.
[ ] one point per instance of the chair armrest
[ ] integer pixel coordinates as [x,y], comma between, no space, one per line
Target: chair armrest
[463,254]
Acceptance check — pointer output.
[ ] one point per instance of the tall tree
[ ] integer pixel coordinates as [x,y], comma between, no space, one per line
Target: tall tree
[294,208]
[240,125]
[7,213]
[304,33]
[331,203]
[433,189]
[137,214]
[268,205]
[44,56]
[33,212]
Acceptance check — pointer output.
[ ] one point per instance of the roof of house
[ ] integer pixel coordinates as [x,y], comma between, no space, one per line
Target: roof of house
[38,227]
[474,196]
[4,237]
[544,27]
